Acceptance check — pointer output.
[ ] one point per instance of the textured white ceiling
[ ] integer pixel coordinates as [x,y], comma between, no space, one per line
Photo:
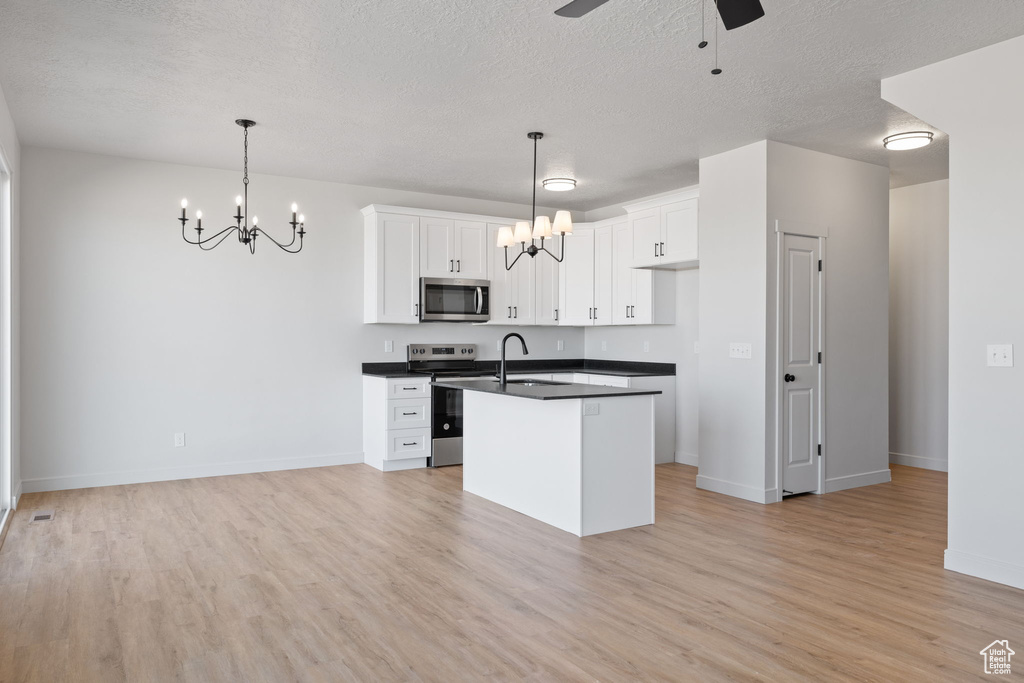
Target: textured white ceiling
[438,95]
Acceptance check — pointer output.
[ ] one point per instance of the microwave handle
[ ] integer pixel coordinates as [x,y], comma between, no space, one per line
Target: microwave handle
[478,299]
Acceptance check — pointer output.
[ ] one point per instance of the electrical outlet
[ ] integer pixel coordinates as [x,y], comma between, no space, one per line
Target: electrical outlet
[591,408]
[561,345]
[604,346]
[1000,355]
[179,440]
[647,347]
[389,346]
[740,350]
[696,347]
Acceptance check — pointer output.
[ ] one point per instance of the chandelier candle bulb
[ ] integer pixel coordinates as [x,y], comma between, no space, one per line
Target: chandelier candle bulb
[563,223]
[184,205]
[199,220]
[541,227]
[255,220]
[522,232]
[505,236]
[302,218]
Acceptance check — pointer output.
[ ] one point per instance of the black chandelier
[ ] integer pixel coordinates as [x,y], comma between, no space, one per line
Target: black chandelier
[246,235]
[541,228]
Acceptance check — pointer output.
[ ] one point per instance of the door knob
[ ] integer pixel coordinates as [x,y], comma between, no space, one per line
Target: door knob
[790,378]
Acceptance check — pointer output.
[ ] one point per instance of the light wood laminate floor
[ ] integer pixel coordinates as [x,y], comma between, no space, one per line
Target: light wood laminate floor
[347,573]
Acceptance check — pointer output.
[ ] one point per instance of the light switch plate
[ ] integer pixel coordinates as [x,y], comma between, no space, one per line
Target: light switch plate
[561,345]
[740,350]
[389,346]
[591,408]
[1000,355]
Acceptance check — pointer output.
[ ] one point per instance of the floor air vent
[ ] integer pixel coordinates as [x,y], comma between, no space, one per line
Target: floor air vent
[42,516]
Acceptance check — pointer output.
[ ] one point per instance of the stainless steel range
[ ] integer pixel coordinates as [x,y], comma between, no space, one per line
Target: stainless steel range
[445,361]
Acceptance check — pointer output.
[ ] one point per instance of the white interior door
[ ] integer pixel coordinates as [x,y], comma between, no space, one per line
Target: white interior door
[800,311]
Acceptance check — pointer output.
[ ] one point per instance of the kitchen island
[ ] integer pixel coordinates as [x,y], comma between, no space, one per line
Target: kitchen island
[577,457]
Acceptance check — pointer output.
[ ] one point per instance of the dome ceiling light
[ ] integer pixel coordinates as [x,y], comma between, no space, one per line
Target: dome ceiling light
[559,184]
[913,140]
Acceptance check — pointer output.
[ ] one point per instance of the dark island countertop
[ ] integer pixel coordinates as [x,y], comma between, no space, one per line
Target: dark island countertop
[615,368]
[543,392]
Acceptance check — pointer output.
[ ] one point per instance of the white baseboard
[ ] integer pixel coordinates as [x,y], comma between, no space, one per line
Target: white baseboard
[924,462]
[686,458]
[852,481]
[735,490]
[83,481]
[984,568]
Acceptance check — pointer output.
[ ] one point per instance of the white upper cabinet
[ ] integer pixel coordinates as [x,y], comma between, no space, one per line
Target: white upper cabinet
[453,248]
[471,249]
[391,264]
[576,278]
[513,292]
[665,231]
[640,296]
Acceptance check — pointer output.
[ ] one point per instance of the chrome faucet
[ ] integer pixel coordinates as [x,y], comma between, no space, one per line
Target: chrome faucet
[503,378]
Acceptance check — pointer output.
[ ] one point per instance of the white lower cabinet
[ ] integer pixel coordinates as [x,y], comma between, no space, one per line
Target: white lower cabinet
[396,422]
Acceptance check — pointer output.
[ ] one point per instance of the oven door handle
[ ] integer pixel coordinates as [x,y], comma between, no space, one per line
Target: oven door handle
[478,299]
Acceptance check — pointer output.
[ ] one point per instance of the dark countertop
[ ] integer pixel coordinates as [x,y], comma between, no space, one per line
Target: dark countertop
[615,368]
[544,392]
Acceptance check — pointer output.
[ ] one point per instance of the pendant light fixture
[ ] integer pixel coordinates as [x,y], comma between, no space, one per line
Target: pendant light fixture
[541,229]
[246,235]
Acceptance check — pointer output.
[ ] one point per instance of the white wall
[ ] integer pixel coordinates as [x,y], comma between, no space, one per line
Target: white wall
[11,150]
[850,198]
[733,257]
[919,325]
[130,335]
[969,98]
[745,193]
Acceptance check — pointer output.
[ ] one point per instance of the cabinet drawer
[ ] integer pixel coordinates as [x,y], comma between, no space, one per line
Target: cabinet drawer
[409,413]
[404,444]
[610,381]
[408,388]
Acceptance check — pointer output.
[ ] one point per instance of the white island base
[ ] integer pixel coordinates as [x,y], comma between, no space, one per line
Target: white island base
[583,473]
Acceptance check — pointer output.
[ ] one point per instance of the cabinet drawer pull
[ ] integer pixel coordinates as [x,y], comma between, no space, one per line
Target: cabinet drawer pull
[413,413]
[414,443]
[409,388]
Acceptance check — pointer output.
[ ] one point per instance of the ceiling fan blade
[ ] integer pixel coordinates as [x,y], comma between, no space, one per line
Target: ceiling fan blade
[577,8]
[736,13]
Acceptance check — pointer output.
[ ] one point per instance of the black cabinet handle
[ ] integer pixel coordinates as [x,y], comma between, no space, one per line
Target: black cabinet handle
[556,315]
[407,414]
[509,312]
[590,314]
[655,250]
[662,248]
[458,266]
[789,377]
[409,388]
[417,313]
[515,311]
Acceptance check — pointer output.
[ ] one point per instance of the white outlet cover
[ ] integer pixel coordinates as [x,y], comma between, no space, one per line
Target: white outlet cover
[179,440]
[591,408]
[604,346]
[389,346]
[696,347]
[741,350]
[647,347]
[1000,355]
[561,345]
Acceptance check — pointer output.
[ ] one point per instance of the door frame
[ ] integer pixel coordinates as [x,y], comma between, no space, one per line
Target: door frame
[7,499]
[821,234]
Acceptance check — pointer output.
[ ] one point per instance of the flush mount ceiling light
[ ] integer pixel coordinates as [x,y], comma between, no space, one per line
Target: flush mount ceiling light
[246,235]
[911,140]
[542,227]
[559,184]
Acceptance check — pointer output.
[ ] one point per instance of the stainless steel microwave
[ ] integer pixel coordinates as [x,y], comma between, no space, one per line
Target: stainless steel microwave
[454,300]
